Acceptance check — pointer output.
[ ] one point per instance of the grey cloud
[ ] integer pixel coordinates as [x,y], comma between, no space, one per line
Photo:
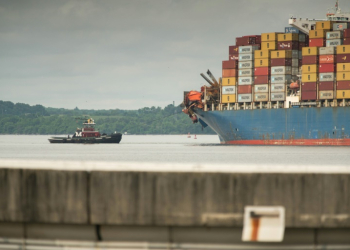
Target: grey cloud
[126,54]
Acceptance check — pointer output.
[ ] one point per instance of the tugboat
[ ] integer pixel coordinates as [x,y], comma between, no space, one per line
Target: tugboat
[88,134]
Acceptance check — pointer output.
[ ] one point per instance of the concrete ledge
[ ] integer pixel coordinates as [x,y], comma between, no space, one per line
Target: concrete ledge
[187,199]
[217,199]
[50,196]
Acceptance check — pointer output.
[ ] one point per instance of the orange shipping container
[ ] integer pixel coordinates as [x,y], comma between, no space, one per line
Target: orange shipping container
[309,77]
[262,54]
[343,49]
[269,45]
[228,98]
[229,72]
[317,33]
[343,76]
[269,37]
[309,51]
[228,81]
[327,59]
[308,69]
[343,94]
[261,63]
[288,37]
[324,25]
[343,67]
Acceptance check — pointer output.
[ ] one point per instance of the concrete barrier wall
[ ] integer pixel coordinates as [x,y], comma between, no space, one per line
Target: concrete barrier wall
[170,199]
[43,196]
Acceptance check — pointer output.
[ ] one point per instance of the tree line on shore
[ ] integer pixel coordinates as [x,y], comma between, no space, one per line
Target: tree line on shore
[22,118]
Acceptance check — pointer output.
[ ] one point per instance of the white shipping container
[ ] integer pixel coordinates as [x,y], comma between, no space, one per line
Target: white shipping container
[246,80]
[278,87]
[334,35]
[295,71]
[278,96]
[281,70]
[327,50]
[302,38]
[334,42]
[326,77]
[340,26]
[295,63]
[281,79]
[246,65]
[228,90]
[247,49]
[245,57]
[300,55]
[245,98]
[261,88]
[325,94]
[295,54]
[261,97]
[245,72]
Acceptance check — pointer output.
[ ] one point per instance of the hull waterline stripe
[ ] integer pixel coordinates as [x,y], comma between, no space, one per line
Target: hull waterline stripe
[305,142]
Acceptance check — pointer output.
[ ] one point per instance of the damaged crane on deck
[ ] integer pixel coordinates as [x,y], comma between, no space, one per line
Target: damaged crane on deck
[206,99]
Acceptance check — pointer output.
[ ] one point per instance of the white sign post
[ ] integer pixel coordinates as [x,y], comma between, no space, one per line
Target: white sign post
[263,223]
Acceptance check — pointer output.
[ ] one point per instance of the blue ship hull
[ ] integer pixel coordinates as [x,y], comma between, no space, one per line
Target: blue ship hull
[292,126]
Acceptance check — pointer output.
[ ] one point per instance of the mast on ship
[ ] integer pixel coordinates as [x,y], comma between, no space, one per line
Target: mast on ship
[306,24]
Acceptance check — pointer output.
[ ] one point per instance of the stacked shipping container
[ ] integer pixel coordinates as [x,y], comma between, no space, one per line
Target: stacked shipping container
[246,72]
[262,73]
[343,72]
[326,69]
[309,75]
[261,67]
[229,74]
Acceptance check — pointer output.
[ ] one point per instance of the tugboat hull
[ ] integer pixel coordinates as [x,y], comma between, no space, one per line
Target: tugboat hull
[114,138]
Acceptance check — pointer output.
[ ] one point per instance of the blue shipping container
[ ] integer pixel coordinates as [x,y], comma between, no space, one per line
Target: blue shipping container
[291,30]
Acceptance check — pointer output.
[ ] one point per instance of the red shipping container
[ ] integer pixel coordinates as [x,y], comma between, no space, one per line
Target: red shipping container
[343,85]
[257,38]
[317,42]
[325,86]
[262,71]
[229,64]
[244,89]
[261,79]
[327,59]
[343,58]
[233,57]
[346,33]
[302,45]
[288,45]
[229,73]
[308,86]
[233,50]
[346,41]
[308,95]
[281,62]
[324,68]
[243,41]
[307,60]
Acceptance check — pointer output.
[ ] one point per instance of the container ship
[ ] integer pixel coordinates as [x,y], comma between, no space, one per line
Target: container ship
[282,88]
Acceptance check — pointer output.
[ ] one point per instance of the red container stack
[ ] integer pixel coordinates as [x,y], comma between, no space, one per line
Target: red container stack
[326,68]
[233,52]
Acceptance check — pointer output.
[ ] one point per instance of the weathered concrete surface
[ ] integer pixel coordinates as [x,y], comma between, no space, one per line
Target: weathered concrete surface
[171,199]
[217,199]
[43,196]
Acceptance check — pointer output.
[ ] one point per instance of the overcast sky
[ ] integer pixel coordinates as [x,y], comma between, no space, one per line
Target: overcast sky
[108,54]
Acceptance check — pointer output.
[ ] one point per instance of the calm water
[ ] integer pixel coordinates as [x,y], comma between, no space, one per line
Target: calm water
[170,149]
